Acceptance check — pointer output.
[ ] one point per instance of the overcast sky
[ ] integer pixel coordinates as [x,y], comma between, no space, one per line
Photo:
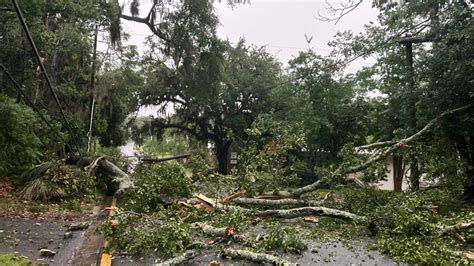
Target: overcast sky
[280,25]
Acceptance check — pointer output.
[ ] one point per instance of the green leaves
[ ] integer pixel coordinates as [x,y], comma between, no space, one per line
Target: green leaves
[20,147]
[282,238]
[156,183]
[135,234]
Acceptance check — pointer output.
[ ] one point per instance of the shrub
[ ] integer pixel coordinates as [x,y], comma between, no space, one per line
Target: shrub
[19,146]
[53,181]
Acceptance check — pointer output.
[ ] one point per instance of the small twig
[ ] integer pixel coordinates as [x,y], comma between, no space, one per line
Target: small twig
[338,13]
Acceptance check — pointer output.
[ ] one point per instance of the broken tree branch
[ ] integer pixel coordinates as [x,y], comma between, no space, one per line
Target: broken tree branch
[158,160]
[466,254]
[122,178]
[90,168]
[375,145]
[305,211]
[255,257]
[109,168]
[225,232]
[401,143]
[149,23]
[234,197]
[457,227]
[278,202]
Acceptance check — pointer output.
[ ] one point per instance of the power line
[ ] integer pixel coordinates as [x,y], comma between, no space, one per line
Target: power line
[27,99]
[43,70]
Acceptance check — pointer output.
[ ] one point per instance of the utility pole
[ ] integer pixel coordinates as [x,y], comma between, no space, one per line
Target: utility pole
[45,74]
[91,93]
[414,179]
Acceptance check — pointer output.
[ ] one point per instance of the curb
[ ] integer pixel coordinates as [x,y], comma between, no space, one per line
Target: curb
[106,258]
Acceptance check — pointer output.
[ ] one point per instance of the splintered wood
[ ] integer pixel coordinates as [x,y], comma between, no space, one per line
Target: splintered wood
[204,199]
[234,196]
[311,219]
[468,255]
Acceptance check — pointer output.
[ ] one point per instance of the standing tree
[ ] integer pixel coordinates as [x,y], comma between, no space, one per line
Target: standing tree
[216,90]
[438,78]
[218,98]
[62,32]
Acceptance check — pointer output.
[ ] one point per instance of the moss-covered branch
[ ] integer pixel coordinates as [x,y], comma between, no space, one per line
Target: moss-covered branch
[255,257]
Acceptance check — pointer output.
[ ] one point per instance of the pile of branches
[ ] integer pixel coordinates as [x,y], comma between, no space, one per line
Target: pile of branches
[289,204]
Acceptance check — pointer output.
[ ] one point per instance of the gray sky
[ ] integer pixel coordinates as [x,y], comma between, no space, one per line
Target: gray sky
[280,25]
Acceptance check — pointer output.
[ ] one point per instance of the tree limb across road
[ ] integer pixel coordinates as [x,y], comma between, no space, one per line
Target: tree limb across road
[381,156]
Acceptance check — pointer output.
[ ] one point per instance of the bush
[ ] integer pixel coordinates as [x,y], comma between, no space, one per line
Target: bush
[52,181]
[19,146]
[155,183]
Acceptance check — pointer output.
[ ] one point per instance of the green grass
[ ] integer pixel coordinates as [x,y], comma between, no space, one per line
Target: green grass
[12,260]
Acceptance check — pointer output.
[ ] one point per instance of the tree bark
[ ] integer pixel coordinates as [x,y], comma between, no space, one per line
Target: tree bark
[221,232]
[456,227]
[255,257]
[468,194]
[414,174]
[276,203]
[119,176]
[397,173]
[123,179]
[159,160]
[305,211]
[222,152]
[465,147]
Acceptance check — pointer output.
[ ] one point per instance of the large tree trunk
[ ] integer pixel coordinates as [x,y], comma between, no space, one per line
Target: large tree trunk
[397,173]
[222,152]
[469,189]
[414,174]
[465,147]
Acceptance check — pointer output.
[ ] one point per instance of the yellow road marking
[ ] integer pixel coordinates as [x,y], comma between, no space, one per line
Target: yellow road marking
[106,259]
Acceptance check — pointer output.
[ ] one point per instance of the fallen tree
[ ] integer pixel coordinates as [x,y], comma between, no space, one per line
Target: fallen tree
[280,213]
[90,165]
[305,211]
[119,176]
[276,203]
[393,146]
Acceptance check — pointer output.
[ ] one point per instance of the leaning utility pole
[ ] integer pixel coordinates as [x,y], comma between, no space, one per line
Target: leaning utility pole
[91,93]
[408,41]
